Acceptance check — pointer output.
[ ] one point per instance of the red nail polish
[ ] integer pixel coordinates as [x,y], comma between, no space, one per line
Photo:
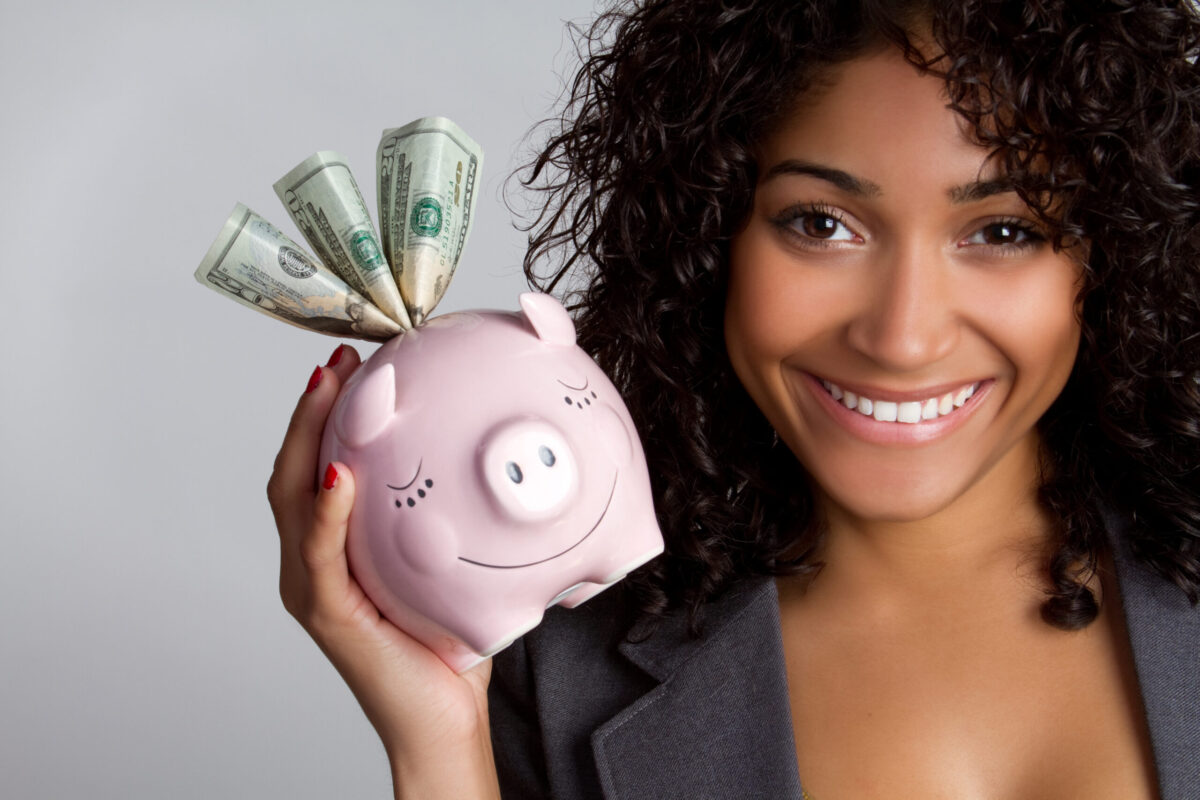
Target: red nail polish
[330,477]
[337,356]
[314,380]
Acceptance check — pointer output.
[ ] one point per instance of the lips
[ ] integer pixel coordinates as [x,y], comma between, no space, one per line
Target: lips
[876,413]
[909,412]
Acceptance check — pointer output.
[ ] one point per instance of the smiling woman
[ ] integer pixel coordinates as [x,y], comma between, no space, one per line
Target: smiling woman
[877,266]
[875,261]
[903,298]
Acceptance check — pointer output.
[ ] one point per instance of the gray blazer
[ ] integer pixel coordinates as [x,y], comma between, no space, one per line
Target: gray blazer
[579,713]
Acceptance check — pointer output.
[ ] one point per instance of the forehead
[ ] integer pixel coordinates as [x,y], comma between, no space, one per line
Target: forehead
[878,117]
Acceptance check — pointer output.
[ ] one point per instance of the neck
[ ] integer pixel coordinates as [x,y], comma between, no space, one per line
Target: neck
[988,542]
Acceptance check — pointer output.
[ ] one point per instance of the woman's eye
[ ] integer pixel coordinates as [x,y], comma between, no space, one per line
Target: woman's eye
[1003,233]
[823,226]
[814,225]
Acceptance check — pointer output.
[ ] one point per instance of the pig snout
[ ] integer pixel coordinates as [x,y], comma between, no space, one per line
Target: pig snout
[529,470]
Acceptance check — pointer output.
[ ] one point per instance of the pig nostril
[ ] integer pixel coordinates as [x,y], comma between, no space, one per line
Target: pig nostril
[529,470]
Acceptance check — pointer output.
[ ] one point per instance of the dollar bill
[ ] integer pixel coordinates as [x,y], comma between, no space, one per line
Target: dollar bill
[323,198]
[428,173]
[254,263]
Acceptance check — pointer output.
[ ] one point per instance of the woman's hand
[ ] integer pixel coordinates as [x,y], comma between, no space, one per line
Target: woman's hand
[433,723]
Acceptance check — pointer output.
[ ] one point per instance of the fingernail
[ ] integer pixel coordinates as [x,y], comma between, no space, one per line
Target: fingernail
[330,477]
[337,356]
[314,380]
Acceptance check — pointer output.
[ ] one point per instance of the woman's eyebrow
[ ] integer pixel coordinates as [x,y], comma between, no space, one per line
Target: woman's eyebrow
[839,178]
[979,190]
[861,187]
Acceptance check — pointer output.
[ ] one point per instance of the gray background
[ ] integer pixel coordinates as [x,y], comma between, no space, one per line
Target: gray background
[143,648]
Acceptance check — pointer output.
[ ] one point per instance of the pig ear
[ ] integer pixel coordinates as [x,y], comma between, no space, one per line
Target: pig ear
[549,319]
[368,407]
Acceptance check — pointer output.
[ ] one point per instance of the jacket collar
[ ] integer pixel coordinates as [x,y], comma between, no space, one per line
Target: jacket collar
[1164,634]
[719,722]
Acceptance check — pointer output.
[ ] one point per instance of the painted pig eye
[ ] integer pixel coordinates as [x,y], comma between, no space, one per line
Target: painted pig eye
[546,455]
[514,472]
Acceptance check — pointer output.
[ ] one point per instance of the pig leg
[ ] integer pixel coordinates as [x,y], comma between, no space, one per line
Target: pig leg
[613,568]
[582,593]
[460,659]
[497,630]
[620,563]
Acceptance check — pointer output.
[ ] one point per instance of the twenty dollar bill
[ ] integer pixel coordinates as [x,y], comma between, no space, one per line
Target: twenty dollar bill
[323,198]
[428,172]
[255,264]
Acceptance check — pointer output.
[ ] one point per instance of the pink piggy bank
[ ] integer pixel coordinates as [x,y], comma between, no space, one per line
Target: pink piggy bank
[498,473]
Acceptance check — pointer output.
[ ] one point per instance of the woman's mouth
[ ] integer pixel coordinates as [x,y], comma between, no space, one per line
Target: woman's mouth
[899,418]
[909,411]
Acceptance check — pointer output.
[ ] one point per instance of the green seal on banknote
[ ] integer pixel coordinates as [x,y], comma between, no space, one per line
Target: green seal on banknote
[427,217]
[295,263]
[366,252]
[426,176]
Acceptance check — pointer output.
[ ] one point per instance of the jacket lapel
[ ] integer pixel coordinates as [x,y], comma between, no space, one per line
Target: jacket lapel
[718,724]
[1164,633]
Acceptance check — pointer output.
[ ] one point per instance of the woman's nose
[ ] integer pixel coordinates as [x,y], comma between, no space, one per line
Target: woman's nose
[907,320]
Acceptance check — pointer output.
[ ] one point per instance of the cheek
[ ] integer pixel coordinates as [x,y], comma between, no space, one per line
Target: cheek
[763,303]
[778,305]
[751,338]
[1053,355]
[1035,324]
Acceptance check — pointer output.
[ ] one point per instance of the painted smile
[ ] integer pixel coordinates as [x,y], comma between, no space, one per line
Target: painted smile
[612,490]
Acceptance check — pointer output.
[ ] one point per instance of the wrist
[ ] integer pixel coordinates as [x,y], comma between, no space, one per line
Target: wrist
[466,773]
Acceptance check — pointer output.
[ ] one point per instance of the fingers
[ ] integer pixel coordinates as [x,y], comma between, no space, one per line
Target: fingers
[344,361]
[295,473]
[323,546]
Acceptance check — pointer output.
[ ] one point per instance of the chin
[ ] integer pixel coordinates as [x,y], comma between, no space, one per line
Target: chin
[903,500]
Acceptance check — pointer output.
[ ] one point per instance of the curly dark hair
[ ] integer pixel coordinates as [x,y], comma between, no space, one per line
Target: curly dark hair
[1089,106]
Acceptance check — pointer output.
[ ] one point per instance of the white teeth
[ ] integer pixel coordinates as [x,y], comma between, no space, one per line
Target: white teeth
[885,411]
[909,412]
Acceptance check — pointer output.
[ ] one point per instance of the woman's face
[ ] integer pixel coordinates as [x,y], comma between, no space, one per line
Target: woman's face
[894,309]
